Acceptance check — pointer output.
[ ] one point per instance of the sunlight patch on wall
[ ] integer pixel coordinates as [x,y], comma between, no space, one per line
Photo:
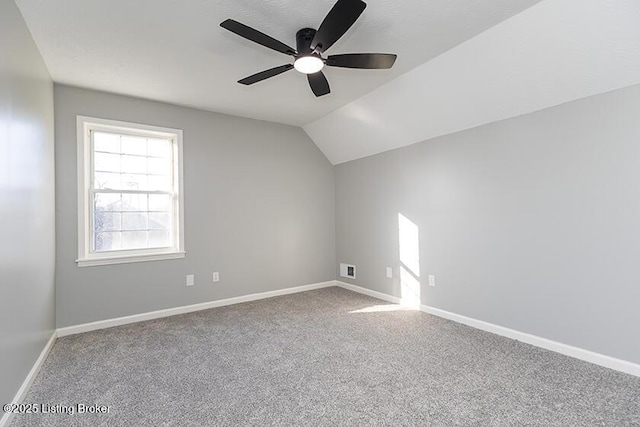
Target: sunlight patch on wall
[409,251]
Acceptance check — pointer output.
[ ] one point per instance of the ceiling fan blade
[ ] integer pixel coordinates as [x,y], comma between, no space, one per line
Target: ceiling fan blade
[257,37]
[262,75]
[339,19]
[319,84]
[368,61]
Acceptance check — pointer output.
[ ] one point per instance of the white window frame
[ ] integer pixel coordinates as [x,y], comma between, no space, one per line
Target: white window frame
[88,258]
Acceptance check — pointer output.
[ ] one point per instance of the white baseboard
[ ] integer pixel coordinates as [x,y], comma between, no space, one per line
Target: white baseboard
[6,418]
[365,291]
[578,353]
[103,324]
[71,330]
[568,350]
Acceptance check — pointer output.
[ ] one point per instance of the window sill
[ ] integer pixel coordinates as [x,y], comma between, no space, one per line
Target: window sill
[90,262]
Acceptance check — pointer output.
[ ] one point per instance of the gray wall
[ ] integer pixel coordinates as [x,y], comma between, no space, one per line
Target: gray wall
[258,209]
[26,202]
[532,223]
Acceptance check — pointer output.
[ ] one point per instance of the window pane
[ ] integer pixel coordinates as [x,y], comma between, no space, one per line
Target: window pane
[134,164]
[107,180]
[135,220]
[160,147]
[106,202]
[134,145]
[107,142]
[134,202]
[107,221]
[107,241]
[159,202]
[134,182]
[159,220]
[159,166]
[159,239]
[121,221]
[105,162]
[160,183]
[134,239]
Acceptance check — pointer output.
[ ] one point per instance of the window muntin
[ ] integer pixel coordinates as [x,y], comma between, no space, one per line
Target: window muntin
[131,192]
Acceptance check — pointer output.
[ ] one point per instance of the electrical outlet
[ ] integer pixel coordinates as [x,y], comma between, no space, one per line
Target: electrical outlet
[216,276]
[191,280]
[389,273]
[432,280]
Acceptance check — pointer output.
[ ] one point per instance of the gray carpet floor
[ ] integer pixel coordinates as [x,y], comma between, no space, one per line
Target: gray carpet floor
[322,358]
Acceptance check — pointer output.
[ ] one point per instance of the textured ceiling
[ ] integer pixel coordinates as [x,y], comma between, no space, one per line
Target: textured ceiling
[556,51]
[175,51]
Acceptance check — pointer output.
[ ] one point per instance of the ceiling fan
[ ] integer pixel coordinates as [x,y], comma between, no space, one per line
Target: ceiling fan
[312,44]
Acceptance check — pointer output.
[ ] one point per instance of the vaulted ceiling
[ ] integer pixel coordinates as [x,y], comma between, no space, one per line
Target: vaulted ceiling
[460,63]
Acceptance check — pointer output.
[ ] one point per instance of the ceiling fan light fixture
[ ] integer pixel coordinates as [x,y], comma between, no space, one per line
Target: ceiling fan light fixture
[308,64]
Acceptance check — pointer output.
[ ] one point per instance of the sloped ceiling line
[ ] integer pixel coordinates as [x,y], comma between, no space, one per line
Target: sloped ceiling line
[554,52]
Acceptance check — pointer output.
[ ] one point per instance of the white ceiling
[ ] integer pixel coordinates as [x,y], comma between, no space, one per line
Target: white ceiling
[461,63]
[554,52]
[175,51]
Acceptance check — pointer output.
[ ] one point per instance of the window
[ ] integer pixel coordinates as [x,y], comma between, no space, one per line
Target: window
[129,192]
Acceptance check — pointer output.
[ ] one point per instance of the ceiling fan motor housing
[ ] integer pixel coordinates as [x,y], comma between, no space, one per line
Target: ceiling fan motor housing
[304,37]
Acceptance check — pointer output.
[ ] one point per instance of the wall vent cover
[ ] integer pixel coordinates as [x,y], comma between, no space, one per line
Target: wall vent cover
[348,271]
